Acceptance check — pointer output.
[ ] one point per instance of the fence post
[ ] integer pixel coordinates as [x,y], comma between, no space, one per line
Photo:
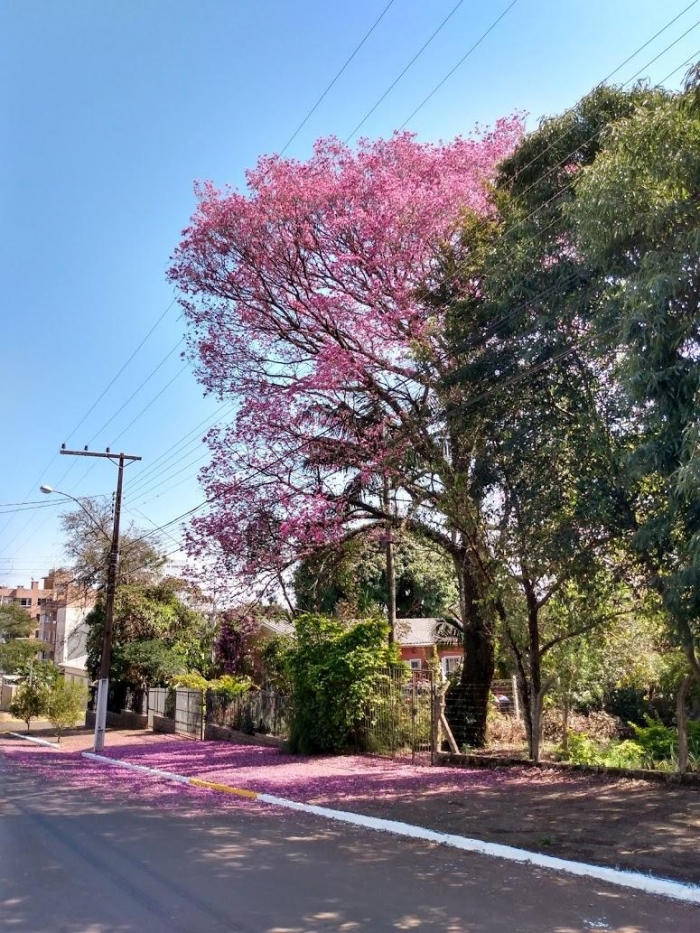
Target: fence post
[434,718]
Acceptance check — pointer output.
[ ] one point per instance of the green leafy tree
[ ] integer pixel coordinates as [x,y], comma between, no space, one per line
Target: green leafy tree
[350,580]
[155,634]
[16,654]
[65,704]
[87,542]
[637,222]
[14,622]
[31,697]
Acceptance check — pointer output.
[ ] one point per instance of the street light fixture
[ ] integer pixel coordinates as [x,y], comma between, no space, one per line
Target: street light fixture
[45,488]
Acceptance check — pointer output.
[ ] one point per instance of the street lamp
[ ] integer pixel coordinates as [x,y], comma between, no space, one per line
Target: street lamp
[105,661]
[49,489]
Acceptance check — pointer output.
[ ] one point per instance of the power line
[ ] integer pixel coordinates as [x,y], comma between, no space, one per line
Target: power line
[463,59]
[137,390]
[51,460]
[607,78]
[152,402]
[108,387]
[339,73]
[409,65]
[158,466]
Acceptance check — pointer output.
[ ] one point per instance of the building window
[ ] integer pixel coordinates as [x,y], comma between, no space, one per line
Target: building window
[450,664]
[25,601]
[414,664]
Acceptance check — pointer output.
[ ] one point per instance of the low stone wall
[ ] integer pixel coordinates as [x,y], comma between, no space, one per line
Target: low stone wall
[161,723]
[124,720]
[216,733]
[487,761]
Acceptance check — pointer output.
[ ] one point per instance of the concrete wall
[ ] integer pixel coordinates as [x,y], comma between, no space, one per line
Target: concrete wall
[216,733]
[6,693]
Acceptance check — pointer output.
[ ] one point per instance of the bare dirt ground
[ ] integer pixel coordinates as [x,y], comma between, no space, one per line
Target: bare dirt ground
[630,824]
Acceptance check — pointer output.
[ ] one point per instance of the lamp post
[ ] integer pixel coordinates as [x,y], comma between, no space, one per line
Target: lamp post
[106,658]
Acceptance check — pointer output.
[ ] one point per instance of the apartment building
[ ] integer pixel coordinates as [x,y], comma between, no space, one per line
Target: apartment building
[32,599]
[58,609]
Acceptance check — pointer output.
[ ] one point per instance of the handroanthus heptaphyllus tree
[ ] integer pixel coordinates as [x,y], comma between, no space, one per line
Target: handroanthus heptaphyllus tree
[303,298]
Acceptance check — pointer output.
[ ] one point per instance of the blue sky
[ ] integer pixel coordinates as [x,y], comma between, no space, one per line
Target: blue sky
[112,109]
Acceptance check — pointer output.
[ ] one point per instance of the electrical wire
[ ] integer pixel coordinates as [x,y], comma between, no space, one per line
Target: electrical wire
[539,296]
[469,52]
[408,66]
[338,74]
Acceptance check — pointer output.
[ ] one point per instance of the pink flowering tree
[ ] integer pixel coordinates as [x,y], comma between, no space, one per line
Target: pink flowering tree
[304,301]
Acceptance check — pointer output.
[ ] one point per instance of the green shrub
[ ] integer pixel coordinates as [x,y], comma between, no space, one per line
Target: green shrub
[627,754]
[660,743]
[583,750]
[335,671]
[65,704]
[29,701]
[193,681]
[229,686]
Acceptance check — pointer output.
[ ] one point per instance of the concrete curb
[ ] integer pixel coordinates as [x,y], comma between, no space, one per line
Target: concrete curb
[31,738]
[647,884]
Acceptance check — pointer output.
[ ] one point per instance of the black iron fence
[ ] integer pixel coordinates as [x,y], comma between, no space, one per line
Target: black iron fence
[187,712]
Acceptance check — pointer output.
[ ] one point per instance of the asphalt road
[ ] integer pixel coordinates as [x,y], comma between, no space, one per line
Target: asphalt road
[72,863]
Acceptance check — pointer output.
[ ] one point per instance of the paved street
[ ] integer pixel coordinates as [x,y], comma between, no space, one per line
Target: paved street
[73,864]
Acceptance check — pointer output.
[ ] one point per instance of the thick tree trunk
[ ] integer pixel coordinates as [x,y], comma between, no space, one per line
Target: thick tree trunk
[467,703]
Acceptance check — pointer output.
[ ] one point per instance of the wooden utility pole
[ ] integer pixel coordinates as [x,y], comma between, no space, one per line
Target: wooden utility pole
[106,658]
[390,567]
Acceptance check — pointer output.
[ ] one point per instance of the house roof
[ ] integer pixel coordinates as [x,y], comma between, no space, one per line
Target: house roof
[419,633]
[75,664]
[412,633]
[278,626]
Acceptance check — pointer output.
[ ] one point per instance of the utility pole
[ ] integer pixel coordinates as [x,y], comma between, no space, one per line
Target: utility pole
[390,565]
[106,659]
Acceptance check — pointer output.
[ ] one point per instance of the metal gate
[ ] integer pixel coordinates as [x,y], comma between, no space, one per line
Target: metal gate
[399,719]
[185,708]
[189,713]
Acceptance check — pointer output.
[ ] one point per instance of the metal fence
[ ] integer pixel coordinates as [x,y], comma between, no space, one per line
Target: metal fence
[264,712]
[184,708]
[257,711]
[408,715]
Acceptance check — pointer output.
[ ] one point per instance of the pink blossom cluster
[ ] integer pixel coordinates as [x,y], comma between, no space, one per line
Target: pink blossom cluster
[305,300]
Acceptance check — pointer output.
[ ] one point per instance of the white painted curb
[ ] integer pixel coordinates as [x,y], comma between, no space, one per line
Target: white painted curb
[628,879]
[31,738]
[168,775]
[648,884]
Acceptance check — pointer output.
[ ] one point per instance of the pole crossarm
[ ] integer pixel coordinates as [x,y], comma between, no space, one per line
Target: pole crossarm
[94,453]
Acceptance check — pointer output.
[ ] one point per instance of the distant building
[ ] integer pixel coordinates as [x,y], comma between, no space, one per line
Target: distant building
[416,639]
[58,610]
[32,599]
[62,621]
